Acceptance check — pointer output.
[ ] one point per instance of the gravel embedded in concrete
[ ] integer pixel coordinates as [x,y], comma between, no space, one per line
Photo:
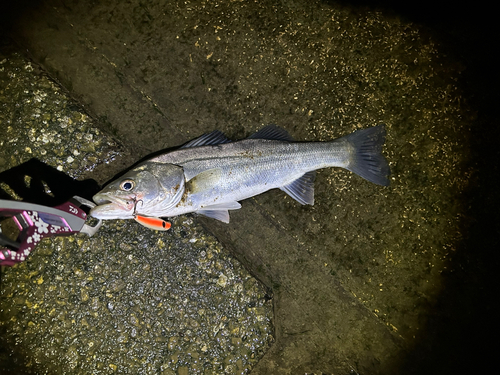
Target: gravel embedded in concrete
[128,300]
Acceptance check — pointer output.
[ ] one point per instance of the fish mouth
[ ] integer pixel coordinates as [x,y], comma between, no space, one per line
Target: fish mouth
[111,207]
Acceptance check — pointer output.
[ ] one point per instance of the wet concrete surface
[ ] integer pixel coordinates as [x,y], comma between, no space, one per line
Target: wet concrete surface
[370,279]
[127,300]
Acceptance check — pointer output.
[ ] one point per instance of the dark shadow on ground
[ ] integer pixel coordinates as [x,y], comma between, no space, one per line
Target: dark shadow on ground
[458,336]
[37,182]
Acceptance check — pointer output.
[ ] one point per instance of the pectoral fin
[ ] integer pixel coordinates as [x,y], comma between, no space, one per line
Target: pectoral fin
[205,180]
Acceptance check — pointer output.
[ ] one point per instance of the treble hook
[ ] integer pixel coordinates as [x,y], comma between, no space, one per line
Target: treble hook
[150,222]
[135,205]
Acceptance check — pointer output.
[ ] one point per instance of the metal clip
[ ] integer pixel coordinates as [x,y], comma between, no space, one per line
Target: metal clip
[30,223]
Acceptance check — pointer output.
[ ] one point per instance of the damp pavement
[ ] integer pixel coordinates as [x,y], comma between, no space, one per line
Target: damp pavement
[127,300]
[369,280]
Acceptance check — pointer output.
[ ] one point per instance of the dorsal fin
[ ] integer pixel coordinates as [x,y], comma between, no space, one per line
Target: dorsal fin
[273,132]
[213,138]
[302,189]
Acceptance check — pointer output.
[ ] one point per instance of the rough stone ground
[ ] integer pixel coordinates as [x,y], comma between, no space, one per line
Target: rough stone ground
[127,300]
[370,280]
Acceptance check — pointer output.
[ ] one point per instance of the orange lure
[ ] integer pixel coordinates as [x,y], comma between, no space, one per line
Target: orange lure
[153,222]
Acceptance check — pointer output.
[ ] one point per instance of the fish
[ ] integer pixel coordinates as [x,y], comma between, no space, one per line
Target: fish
[211,174]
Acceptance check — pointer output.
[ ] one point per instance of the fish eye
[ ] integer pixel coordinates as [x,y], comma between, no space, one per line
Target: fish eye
[127,185]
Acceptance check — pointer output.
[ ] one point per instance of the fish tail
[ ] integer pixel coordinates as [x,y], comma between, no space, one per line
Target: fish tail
[367,160]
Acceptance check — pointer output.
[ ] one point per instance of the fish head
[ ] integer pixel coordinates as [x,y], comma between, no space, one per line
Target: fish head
[150,189]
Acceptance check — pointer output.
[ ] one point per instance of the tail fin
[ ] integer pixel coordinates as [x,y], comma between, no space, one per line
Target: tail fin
[368,161]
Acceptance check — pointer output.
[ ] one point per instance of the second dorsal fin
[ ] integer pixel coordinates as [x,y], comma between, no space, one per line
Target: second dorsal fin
[273,132]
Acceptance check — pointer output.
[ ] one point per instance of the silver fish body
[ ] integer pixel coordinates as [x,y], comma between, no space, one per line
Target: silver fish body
[210,175]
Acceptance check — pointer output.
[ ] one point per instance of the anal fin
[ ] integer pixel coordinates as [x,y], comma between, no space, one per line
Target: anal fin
[302,189]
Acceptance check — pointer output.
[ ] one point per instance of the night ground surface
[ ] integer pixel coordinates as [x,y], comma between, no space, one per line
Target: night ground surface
[369,280]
